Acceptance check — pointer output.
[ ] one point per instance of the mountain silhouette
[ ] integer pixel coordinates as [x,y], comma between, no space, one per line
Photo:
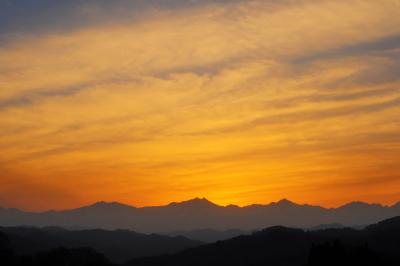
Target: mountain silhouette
[117,246]
[196,203]
[376,245]
[209,235]
[200,213]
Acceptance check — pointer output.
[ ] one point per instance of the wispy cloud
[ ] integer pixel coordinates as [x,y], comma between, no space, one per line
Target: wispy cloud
[215,98]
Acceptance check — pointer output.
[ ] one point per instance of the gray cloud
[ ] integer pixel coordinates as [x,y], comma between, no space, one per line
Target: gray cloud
[383,73]
[370,47]
[31,97]
[44,16]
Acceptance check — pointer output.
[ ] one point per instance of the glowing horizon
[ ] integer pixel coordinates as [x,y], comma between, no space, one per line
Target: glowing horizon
[204,199]
[239,101]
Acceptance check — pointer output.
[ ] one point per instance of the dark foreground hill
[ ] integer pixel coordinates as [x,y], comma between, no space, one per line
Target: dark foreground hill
[117,246]
[376,245]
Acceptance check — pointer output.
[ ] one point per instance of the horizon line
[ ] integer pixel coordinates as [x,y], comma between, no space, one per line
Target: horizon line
[200,199]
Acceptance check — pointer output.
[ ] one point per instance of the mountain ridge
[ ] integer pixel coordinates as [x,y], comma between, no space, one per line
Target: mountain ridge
[200,213]
[374,245]
[283,201]
[117,245]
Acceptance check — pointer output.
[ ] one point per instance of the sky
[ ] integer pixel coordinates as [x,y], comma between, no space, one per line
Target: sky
[241,102]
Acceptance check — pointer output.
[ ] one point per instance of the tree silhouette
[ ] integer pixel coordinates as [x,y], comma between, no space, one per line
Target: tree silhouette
[335,253]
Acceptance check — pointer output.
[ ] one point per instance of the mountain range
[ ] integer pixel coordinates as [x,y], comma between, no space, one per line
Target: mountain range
[376,245]
[200,213]
[208,235]
[117,245]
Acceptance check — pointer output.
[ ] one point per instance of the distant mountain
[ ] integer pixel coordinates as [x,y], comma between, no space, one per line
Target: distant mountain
[327,226]
[210,235]
[376,245]
[117,246]
[198,214]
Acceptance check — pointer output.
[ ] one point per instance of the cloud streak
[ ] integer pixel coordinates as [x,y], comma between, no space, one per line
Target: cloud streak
[224,99]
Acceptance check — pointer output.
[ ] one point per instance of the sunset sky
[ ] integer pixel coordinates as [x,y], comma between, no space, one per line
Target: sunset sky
[241,101]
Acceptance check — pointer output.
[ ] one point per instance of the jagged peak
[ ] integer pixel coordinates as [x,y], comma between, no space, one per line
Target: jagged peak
[195,202]
[285,202]
[105,204]
[396,205]
[359,204]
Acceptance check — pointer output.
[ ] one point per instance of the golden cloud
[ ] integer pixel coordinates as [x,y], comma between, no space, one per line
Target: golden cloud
[241,103]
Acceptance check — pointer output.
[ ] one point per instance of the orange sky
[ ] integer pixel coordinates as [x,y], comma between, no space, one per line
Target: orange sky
[241,102]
